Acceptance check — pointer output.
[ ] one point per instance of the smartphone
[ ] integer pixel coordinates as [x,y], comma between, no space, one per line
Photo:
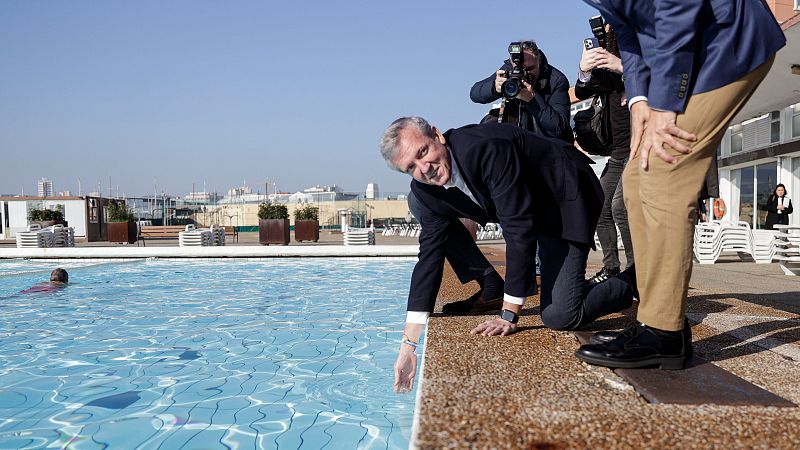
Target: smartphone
[590,43]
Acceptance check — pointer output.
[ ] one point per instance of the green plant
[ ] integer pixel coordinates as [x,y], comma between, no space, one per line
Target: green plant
[307,212]
[119,212]
[43,215]
[272,211]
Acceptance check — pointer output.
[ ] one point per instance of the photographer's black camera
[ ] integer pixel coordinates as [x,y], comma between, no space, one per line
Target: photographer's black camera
[598,29]
[511,87]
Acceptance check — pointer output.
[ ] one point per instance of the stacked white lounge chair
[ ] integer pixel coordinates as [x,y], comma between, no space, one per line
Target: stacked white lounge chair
[193,237]
[490,231]
[711,239]
[34,237]
[403,229]
[763,246]
[217,235]
[62,236]
[359,236]
[787,248]
[53,236]
[201,237]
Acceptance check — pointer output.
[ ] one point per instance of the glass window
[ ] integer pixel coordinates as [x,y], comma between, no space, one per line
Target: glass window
[775,127]
[796,120]
[92,210]
[745,180]
[766,176]
[736,138]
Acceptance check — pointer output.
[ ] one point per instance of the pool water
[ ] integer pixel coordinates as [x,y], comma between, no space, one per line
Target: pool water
[285,353]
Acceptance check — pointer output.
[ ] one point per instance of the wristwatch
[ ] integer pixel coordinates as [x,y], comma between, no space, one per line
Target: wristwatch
[509,316]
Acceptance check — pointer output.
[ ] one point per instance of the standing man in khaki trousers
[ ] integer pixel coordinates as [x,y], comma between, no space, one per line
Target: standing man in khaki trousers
[690,66]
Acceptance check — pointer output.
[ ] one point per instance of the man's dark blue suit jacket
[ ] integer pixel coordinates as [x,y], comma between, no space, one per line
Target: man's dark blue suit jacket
[674,48]
[529,184]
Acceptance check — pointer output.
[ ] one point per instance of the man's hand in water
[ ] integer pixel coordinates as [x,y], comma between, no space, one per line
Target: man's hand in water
[405,368]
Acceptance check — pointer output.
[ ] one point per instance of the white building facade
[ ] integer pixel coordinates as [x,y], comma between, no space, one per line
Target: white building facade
[762,146]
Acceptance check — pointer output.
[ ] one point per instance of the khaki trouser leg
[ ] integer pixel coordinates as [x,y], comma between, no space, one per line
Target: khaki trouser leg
[662,203]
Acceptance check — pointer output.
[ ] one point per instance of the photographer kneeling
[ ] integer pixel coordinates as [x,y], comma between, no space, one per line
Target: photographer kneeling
[543,97]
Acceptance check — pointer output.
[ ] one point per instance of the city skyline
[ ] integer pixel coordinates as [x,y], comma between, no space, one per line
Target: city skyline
[182,92]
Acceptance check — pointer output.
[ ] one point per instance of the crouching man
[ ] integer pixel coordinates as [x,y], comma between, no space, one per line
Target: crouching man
[541,191]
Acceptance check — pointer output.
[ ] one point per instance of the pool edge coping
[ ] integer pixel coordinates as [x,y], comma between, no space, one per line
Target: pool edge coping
[211,252]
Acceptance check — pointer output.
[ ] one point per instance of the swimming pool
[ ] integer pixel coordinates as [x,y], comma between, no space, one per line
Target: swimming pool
[283,353]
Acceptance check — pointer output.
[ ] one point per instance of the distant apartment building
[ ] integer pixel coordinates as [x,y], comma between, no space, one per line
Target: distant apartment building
[65,193]
[201,197]
[45,188]
[372,191]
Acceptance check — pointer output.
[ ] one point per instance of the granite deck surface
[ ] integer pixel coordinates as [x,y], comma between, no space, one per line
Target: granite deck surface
[528,391]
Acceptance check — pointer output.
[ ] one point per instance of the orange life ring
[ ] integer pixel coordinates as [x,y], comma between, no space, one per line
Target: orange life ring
[719,208]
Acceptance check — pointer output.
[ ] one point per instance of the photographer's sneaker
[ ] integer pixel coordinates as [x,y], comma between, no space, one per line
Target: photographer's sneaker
[604,274]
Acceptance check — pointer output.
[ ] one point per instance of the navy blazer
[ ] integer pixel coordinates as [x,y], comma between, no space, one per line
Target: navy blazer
[527,183]
[672,49]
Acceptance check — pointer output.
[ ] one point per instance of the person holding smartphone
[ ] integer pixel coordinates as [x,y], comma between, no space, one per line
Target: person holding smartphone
[601,74]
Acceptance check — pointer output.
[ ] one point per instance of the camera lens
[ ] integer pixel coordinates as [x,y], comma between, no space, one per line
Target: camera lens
[510,88]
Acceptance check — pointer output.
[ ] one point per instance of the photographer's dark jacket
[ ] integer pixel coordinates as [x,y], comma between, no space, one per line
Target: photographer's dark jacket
[611,83]
[550,105]
[529,184]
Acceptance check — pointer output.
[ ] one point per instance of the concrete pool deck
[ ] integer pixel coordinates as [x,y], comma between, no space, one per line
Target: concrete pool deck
[529,391]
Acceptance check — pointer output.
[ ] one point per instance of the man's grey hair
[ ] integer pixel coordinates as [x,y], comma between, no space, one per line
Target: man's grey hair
[392,135]
[530,45]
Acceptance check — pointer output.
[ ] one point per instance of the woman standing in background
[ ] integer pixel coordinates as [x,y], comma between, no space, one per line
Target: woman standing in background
[779,206]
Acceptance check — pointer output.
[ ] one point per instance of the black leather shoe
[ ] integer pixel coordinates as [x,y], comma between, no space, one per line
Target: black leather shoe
[638,346]
[601,337]
[473,306]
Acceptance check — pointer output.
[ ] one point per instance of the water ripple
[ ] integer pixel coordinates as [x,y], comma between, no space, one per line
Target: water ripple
[228,354]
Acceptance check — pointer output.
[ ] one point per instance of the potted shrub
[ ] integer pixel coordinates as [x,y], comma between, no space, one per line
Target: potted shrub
[46,217]
[273,224]
[121,227]
[306,224]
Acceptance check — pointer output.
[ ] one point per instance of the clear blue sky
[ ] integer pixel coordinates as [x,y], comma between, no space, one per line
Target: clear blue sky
[227,91]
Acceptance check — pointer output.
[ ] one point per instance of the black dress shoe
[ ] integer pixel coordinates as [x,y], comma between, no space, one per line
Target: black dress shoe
[638,346]
[475,305]
[601,337]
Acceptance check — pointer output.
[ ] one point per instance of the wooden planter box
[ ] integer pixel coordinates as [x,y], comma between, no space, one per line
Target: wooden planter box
[122,232]
[306,230]
[273,231]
